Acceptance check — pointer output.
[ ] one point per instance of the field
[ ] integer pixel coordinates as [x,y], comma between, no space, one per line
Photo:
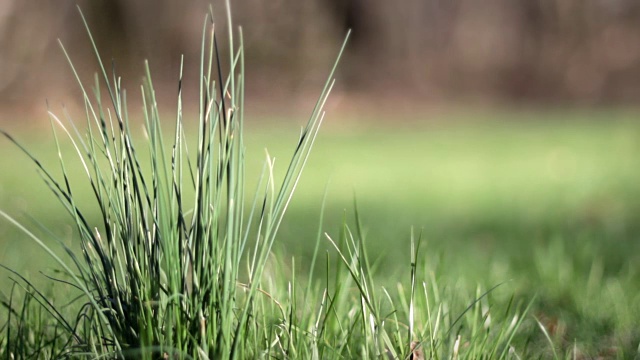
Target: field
[544,204]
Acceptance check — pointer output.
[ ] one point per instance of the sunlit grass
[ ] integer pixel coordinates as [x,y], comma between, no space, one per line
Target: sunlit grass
[544,210]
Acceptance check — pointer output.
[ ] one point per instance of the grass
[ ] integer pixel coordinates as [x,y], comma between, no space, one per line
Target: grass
[569,247]
[545,211]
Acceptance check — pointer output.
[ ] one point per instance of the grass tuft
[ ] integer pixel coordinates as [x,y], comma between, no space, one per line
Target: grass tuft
[161,274]
[180,262]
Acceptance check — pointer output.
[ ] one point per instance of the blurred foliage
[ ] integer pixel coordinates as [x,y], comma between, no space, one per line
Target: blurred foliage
[551,51]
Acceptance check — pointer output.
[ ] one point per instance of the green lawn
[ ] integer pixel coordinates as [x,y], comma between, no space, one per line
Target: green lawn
[547,203]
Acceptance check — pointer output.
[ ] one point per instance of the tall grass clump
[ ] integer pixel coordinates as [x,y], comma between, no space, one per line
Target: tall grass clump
[179,264]
[161,273]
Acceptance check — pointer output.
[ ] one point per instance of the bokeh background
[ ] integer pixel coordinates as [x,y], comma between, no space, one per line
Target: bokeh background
[506,131]
[584,52]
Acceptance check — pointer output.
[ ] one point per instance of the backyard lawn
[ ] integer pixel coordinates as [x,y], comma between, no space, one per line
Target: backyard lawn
[545,204]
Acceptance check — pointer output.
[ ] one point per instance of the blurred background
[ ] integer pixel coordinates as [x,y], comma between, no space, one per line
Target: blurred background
[560,52]
[505,130]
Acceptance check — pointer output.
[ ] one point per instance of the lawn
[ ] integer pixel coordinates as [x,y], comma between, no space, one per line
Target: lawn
[545,204]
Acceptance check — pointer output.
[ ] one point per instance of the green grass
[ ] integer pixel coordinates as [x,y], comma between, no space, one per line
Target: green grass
[523,243]
[549,206]
[486,197]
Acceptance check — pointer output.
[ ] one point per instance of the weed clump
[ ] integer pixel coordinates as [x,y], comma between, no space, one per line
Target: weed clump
[175,266]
